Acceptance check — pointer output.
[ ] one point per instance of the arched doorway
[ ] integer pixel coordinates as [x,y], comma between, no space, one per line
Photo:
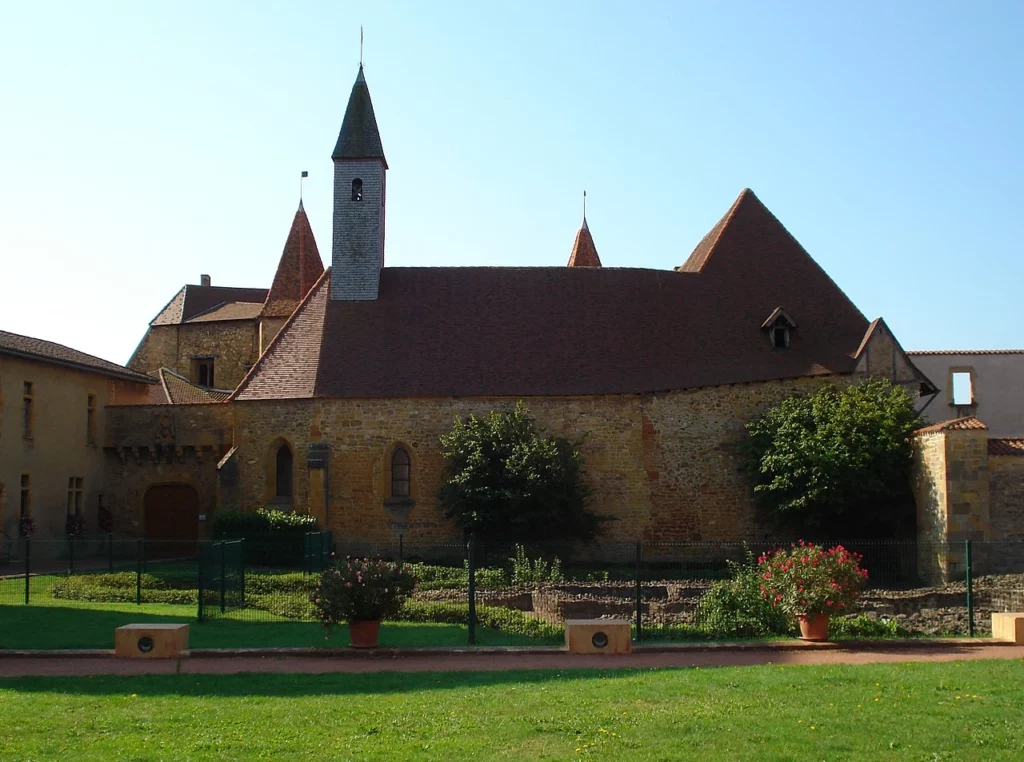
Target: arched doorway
[171,520]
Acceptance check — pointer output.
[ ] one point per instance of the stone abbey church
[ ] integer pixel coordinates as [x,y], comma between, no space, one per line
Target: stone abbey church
[327,393]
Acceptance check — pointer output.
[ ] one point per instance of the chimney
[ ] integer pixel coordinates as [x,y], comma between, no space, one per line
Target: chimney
[204,280]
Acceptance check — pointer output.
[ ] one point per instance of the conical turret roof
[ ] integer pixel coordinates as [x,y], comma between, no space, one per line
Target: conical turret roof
[298,270]
[359,137]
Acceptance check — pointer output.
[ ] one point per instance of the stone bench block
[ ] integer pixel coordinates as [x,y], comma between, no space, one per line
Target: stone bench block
[1008,627]
[598,636]
[151,641]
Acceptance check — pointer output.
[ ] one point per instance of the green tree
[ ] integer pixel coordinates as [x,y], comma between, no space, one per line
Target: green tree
[505,481]
[837,461]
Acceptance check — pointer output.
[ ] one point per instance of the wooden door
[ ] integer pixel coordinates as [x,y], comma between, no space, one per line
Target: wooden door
[171,520]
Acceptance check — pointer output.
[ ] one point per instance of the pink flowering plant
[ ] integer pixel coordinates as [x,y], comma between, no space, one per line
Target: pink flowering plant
[361,590]
[807,580]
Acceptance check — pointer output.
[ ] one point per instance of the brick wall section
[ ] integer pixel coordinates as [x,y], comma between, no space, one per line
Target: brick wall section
[1006,496]
[357,254]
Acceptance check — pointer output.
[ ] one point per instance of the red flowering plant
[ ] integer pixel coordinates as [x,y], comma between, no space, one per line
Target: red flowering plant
[361,590]
[807,580]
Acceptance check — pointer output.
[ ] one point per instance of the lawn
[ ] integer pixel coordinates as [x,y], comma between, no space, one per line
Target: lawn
[73,624]
[954,711]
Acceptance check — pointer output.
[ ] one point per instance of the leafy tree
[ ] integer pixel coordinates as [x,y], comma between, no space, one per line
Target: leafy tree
[505,481]
[837,461]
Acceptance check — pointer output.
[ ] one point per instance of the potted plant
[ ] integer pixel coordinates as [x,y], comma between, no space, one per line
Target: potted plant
[812,583]
[361,592]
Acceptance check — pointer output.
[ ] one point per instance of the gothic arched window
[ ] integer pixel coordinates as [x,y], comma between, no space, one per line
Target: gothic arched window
[357,190]
[283,472]
[400,473]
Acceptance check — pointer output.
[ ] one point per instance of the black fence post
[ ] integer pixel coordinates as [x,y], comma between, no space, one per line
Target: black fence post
[28,566]
[223,578]
[110,552]
[970,584]
[199,583]
[140,550]
[241,573]
[144,551]
[639,592]
[471,592]
[401,549]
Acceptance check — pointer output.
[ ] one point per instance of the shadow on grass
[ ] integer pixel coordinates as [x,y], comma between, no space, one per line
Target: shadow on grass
[58,627]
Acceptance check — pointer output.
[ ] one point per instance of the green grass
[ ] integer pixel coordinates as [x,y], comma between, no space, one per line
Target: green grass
[72,624]
[947,712]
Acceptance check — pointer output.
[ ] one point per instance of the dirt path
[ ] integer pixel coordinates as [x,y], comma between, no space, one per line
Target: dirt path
[221,665]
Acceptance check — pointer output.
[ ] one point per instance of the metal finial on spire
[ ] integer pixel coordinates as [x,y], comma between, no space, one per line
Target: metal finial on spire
[360,46]
[585,211]
[302,177]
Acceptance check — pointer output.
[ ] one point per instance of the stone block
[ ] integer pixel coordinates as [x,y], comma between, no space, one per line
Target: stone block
[151,641]
[1008,627]
[598,636]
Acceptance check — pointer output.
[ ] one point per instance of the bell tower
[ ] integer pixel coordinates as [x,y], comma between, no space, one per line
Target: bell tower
[360,173]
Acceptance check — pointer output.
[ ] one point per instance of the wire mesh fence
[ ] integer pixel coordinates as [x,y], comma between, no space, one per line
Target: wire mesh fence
[489,593]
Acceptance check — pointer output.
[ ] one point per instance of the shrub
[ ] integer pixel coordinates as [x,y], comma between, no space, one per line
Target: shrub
[115,588]
[736,608]
[26,526]
[862,626]
[429,577]
[359,590]
[273,538]
[511,621]
[75,524]
[807,580]
[527,572]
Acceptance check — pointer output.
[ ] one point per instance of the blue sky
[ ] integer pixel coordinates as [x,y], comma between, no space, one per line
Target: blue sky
[146,143]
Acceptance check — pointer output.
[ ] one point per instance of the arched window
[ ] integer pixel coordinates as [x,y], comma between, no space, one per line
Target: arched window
[357,190]
[283,472]
[400,473]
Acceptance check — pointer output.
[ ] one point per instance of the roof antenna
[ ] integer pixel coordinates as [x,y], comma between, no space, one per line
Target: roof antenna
[360,46]
[302,177]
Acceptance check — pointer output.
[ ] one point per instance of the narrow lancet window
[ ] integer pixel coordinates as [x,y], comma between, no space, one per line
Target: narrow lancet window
[357,190]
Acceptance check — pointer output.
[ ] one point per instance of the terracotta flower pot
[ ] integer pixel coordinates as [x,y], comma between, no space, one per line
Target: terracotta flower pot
[814,627]
[364,634]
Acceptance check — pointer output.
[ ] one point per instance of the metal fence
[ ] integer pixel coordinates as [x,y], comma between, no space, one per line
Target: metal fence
[508,594]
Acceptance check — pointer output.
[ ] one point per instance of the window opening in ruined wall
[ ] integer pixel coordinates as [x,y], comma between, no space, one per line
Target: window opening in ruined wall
[400,473]
[963,388]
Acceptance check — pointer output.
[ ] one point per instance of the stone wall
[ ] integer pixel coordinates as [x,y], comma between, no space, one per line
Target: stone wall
[233,344]
[667,467]
[59,448]
[1006,495]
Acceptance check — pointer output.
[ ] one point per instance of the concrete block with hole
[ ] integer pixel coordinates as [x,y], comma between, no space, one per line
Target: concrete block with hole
[151,641]
[598,636]
[1008,627]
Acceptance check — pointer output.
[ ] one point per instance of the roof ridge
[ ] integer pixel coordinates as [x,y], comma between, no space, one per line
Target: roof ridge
[75,358]
[966,352]
[324,276]
[965,423]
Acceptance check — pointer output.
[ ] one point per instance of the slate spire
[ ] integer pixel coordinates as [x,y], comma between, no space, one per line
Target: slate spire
[359,137]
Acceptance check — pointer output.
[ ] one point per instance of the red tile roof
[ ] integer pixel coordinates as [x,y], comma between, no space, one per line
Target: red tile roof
[193,300]
[967,352]
[969,423]
[16,345]
[505,331]
[584,252]
[175,389]
[229,311]
[300,267]
[1006,446]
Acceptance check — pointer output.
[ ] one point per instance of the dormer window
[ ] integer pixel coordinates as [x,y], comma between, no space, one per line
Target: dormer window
[779,326]
[357,190]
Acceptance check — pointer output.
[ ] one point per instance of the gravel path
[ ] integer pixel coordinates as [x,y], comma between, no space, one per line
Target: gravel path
[70,665]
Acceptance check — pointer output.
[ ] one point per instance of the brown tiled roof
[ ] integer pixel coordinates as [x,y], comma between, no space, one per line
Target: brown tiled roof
[178,390]
[1006,446]
[16,345]
[229,311]
[584,252]
[505,331]
[193,300]
[287,368]
[300,267]
[967,352]
[968,423]
[359,137]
